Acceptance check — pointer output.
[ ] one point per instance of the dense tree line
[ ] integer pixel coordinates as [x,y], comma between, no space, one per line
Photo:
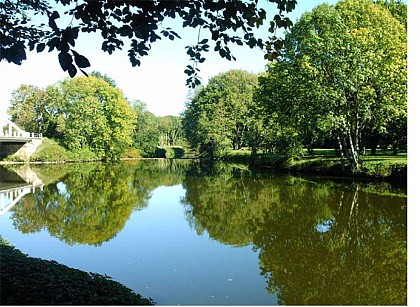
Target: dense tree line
[152,131]
[340,79]
[218,115]
[90,115]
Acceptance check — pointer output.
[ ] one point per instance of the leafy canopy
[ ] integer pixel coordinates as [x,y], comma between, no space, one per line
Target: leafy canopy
[139,23]
[217,117]
[343,71]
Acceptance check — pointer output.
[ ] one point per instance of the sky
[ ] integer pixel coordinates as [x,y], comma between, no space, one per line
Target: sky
[159,81]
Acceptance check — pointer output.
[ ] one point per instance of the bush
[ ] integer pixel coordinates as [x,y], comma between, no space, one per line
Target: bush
[84,154]
[131,153]
[383,169]
[51,151]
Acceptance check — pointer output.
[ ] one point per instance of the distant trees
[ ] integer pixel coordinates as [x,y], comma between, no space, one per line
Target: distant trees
[146,134]
[170,131]
[153,131]
[82,113]
[218,116]
[339,78]
[91,114]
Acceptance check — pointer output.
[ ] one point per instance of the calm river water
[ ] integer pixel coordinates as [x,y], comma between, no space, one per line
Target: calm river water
[182,233]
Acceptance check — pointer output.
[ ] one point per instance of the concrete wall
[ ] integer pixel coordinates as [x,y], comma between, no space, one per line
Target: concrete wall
[26,151]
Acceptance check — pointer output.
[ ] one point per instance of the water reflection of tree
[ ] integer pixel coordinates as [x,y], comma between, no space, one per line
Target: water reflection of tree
[90,206]
[317,245]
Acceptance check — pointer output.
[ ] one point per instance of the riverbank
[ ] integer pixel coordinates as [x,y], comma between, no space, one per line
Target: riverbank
[323,162]
[33,281]
[383,166]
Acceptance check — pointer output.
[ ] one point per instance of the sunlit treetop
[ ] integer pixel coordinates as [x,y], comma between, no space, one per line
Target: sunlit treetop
[139,24]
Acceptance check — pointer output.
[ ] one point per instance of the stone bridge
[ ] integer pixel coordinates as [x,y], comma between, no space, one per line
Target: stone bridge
[14,140]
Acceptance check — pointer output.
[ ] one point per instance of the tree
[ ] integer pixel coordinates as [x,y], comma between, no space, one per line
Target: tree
[170,131]
[96,116]
[25,107]
[397,8]
[347,72]
[146,134]
[217,117]
[35,109]
[139,23]
[104,77]
[81,113]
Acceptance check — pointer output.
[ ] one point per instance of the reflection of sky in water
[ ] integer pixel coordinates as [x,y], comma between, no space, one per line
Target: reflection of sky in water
[324,226]
[61,188]
[158,255]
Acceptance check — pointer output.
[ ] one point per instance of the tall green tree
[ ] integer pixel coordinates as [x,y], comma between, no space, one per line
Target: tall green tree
[36,109]
[146,134]
[26,106]
[225,23]
[96,116]
[217,117]
[346,70]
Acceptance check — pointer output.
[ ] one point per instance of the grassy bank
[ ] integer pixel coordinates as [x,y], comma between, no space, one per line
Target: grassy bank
[51,152]
[32,281]
[383,166]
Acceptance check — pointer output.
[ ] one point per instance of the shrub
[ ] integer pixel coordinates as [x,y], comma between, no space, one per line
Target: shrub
[84,154]
[51,151]
[131,153]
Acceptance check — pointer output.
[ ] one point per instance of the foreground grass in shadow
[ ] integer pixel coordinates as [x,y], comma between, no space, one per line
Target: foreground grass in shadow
[31,281]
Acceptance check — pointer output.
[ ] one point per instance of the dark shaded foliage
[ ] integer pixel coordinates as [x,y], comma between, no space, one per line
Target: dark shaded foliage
[141,23]
[26,280]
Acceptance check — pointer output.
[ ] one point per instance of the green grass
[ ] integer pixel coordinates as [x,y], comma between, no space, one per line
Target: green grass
[384,165]
[49,151]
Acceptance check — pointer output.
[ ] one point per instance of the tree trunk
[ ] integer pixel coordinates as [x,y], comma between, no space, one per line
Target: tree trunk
[354,158]
[341,148]
[395,148]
